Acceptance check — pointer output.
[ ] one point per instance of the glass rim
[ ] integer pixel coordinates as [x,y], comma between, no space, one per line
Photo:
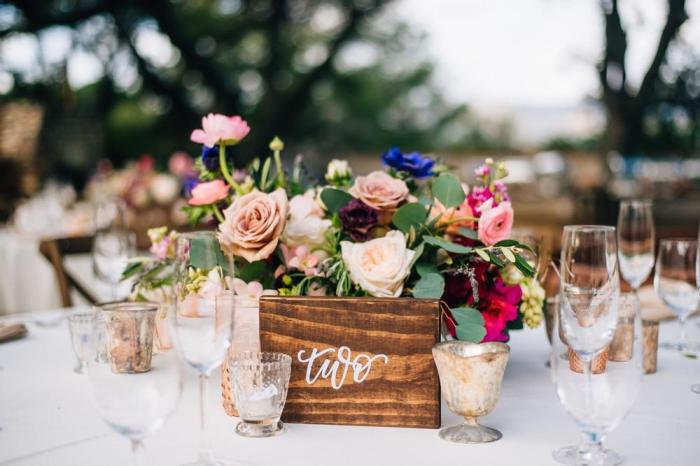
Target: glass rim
[256,358]
[198,234]
[637,201]
[589,228]
[679,240]
[128,306]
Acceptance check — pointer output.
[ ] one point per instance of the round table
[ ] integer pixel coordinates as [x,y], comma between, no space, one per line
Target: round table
[47,417]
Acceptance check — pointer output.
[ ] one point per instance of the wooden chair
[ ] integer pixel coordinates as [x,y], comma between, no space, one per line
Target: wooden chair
[54,250]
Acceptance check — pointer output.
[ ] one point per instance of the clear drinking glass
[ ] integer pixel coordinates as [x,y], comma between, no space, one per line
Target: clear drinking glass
[260,382]
[204,315]
[635,238]
[696,388]
[600,405]
[80,325]
[134,404]
[113,243]
[676,284]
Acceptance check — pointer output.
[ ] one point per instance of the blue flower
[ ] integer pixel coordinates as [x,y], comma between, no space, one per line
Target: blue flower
[210,157]
[189,183]
[413,163]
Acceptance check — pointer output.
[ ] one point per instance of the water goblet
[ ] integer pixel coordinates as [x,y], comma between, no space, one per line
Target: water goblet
[80,325]
[675,281]
[260,382]
[635,238]
[133,403]
[113,244]
[598,406]
[204,315]
[470,381]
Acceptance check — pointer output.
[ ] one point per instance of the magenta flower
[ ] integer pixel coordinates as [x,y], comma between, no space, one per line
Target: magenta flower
[218,128]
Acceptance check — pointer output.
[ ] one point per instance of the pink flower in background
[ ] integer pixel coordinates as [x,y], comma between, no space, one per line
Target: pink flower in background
[483,171]
[496,223]
[162,248]
[145,163]
[301,258]
[208,193]
[217,128]
[180,164]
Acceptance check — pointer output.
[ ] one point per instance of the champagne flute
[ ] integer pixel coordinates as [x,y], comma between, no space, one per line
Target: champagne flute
[134,400]
[676,284]
[204,317]
[590,287]
[635,237]
[612,392]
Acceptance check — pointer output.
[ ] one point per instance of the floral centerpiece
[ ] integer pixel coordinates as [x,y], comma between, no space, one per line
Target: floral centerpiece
[412,230]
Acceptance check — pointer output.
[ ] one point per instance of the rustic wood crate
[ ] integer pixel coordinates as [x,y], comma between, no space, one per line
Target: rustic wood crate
[400,388]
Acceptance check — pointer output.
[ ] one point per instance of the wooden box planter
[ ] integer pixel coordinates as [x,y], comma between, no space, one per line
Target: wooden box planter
[356,361]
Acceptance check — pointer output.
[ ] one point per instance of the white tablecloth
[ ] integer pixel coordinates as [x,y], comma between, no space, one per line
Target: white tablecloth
[46,417]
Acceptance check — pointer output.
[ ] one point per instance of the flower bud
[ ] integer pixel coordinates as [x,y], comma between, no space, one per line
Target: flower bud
[276,145]
[338,172]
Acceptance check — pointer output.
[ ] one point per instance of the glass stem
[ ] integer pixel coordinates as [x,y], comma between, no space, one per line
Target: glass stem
[591,448]
[137,453]
[587,375]
[682,341]
[204,448]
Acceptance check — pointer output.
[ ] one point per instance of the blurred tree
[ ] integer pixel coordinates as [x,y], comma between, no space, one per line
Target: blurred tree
[663,113]
[322,74]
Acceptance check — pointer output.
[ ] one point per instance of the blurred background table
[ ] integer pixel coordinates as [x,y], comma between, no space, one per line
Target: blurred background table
[46,418]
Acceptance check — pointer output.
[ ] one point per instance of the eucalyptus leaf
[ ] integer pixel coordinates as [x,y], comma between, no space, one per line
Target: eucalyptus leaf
[430,286]
[467,316]
[206,254]
[410,215]
[474,333]
[335,199]
[468,233]
[418,253]
[447,245]
[425,268]
[251,271]
[448,190]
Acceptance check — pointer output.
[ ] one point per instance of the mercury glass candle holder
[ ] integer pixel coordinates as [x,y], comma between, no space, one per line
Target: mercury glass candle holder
[650,329]
[260,382]
[470,380]
[130,329]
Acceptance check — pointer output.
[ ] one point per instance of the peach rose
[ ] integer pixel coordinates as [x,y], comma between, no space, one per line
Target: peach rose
[253,224]
[496,223]
[380,191]
[208,193]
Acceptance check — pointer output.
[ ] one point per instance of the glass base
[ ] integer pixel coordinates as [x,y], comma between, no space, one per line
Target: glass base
[80,369]
[695,388]
[692,349]
[572,456]
[262,429]
[466,433]
[213,462]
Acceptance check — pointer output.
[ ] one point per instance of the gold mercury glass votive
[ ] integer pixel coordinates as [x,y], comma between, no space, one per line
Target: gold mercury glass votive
[623,340]
[470,380]
[130,329]
[650,330]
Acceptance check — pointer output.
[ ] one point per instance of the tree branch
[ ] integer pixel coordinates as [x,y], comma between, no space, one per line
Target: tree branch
[615,51]
[37,19]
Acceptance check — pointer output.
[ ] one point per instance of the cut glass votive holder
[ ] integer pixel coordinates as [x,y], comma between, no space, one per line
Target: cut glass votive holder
[260,382]
[80,326]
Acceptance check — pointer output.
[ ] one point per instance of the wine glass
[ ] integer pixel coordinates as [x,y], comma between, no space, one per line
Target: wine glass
[676,284]
[134,392]
[204,317]
[635,238]
[113,243]
[590,287]
[600,406]
[696,387]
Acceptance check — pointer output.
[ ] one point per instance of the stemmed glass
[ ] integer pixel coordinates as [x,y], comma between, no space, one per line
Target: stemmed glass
[113,243]
[635,238]
[133,402]
[610,395]
[676,284]
[696,387]
[204,317]
[590,287]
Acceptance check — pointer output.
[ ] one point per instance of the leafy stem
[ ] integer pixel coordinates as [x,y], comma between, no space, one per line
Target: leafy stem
[224,168]
[217,213]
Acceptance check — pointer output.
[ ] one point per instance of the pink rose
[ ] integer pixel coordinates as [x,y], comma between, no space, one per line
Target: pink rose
[253,224]
[208,193]
[496,223]
[380,191]
[218,128]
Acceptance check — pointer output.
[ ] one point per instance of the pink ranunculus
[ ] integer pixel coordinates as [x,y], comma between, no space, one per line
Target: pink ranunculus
[217,128]
[253,224]
[208,193]
[380,191]
[496,223]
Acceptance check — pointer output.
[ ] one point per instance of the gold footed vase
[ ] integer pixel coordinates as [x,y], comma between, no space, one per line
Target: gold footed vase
[470,380]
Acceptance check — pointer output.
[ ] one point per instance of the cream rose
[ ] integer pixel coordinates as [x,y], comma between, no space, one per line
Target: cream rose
[306,225]
[379,266]
[253,224]
[380,191]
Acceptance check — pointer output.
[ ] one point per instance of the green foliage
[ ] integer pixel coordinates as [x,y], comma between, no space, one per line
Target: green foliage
[447,245]
[206,254]
[470,324]
[335,199]
[429,286]
[425,268]
[448,190]
[410,215]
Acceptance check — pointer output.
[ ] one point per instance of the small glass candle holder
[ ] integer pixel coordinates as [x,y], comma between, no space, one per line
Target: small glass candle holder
[130,330]
[80,327]
[260,382]
[650,329]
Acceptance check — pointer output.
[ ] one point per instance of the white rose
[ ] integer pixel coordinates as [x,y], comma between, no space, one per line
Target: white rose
[338,171]
[305,225]
[379,266]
